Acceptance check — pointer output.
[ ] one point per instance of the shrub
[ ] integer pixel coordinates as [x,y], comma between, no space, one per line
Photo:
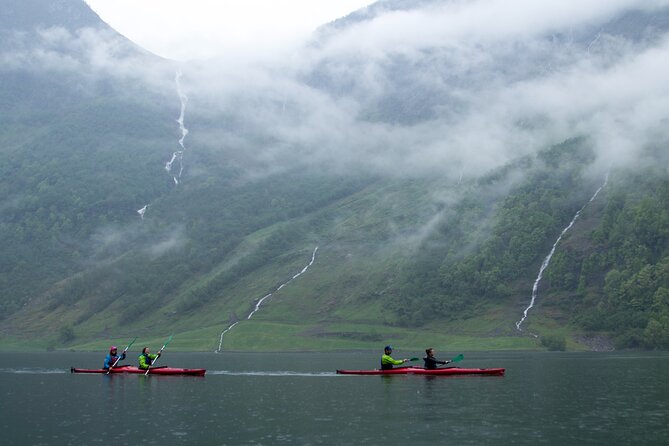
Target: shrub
[554,343]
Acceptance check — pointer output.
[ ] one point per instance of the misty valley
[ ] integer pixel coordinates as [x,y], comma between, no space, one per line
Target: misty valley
[484,184]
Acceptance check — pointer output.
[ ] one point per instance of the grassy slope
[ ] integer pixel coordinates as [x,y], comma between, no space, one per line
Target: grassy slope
[337,304]
[365,236]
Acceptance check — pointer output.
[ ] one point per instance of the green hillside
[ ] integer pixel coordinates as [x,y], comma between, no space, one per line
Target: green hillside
[373,277]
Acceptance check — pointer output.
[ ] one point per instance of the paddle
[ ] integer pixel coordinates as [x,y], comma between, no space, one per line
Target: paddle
[158,354]
[119,357]
[458,358]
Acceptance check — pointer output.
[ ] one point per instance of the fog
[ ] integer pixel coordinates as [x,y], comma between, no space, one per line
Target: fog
[459,88]
[451,88]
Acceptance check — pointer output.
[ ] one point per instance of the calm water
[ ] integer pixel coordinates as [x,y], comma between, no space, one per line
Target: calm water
[253,399]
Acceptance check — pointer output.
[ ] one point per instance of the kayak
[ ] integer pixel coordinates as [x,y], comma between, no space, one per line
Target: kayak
[422,371]
[164,370]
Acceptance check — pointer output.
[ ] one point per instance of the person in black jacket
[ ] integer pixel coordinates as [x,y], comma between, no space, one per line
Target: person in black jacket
[430,361]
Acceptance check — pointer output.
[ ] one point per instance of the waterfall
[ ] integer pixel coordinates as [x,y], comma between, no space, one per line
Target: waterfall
[142,211]
[547,260]
[260,301]
[178,155]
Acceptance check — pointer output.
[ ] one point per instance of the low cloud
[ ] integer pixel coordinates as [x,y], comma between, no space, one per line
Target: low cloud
[91,54]
[449,88]
[460,87]
[171,242]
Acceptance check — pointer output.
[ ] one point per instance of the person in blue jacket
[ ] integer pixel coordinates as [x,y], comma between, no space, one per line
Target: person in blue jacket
[112,358]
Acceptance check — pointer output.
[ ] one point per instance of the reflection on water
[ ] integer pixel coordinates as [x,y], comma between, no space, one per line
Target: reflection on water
[545,398]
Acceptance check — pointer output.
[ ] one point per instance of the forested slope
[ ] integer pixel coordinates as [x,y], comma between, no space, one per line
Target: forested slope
[417,229]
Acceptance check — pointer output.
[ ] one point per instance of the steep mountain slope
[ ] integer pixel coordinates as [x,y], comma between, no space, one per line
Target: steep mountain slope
[76,138]
[417,188]
[30,15]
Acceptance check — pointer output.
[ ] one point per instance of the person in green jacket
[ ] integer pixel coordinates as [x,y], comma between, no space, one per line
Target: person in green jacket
[146,359]
[387,361]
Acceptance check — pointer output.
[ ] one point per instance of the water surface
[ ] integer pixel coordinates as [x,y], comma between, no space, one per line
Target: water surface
[296,398]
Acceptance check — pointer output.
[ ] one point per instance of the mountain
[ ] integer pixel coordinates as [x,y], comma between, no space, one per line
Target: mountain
[32,15]
[66,120]
[402,181]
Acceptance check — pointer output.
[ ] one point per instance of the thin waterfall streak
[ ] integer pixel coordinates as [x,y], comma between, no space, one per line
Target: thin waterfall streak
[220,342]
[260,302]
[184,100]
[599,34]
[168,165]
[178,155]
[142,211]
[547,259]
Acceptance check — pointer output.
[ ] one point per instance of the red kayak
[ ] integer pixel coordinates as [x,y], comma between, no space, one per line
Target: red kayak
[154,370]
[422,371]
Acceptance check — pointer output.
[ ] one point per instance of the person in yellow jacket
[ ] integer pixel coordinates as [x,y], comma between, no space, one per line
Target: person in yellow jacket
[146,359]
[387,361]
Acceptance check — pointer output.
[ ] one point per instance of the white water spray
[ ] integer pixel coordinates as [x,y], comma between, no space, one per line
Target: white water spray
[260,302]
[142,211]
[178,155]
[547,260]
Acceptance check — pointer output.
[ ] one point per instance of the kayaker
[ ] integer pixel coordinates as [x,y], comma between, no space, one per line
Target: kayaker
[112,358]
[146,358]
[430,361]
[387,362]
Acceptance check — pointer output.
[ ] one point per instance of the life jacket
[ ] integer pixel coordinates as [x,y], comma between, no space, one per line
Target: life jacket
[147,360]
[387,362]
[109,361]
[430,362]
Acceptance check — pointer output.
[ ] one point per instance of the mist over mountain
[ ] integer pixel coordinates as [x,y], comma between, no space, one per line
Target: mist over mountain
[420,157]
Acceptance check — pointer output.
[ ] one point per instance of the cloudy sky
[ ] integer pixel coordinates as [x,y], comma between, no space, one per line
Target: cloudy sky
[192,29]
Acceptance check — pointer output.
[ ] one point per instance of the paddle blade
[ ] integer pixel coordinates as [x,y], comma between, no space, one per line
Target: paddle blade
[458,358]
[413,359]
[130,345]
